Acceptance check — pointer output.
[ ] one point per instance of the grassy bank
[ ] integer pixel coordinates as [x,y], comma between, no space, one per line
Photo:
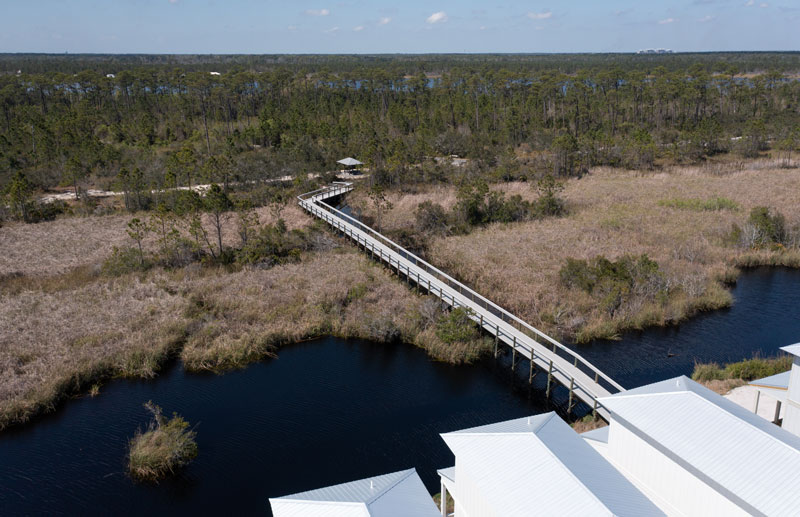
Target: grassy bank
[66,326]
[724,378]
[62,335]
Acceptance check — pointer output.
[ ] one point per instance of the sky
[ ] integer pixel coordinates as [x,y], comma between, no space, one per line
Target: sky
[396,26]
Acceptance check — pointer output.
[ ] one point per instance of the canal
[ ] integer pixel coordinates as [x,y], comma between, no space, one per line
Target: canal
[331,410]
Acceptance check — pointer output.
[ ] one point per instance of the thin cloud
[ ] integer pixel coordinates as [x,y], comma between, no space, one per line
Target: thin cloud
[358,29]
[384,21]
[666,21]
[332,30]
[541,16]
[750,3]
[291,28]
[317,12]
[439,17]
[706,18]
[763,5]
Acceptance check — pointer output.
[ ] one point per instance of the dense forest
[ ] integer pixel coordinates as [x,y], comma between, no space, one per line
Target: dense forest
[150,122]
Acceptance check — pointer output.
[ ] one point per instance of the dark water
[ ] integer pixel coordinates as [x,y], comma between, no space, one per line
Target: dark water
[765,316]
[331,411]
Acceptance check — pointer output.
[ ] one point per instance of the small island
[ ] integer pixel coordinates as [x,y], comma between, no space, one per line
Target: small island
[166,446]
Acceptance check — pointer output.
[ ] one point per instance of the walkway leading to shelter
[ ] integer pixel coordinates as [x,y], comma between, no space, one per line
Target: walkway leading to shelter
[546,355]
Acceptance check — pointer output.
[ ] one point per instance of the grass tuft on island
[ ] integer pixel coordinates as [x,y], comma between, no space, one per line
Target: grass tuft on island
[166,446]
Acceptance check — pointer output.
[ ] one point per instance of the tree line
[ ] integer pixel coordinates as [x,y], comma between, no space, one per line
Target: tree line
[148,127]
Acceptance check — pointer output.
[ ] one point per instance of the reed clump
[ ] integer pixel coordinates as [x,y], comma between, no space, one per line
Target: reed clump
[746,370]
[166,446]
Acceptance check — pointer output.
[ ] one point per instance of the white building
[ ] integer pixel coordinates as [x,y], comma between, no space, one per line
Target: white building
[791,411]
[673,447]
[685,449]
[535,466]
[400,494]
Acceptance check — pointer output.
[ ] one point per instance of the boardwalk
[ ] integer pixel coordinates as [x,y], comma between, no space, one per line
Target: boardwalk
[546,355]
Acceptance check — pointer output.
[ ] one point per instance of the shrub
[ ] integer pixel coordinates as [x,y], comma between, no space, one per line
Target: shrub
[614,282]
[478,205]
[457,327]
[166,446]
[272,245]
[123,261]
[431,218]
[770,226]
[549,204]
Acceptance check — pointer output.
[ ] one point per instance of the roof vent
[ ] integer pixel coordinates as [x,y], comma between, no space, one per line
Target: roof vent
[529,421]
[371,486]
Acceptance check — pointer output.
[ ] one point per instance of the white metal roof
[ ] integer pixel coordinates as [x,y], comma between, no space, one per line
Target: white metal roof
[779,381]
[349,161]
[752,462]
[792,349]
[597,435]
[540,464]
[399,494]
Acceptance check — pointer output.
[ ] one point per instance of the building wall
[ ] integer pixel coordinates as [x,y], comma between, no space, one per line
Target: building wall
[470,502]
[684,492]
[791,411]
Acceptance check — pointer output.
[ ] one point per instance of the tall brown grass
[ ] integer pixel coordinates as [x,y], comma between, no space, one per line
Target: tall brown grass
[56,247]
[613,213]
[60,338]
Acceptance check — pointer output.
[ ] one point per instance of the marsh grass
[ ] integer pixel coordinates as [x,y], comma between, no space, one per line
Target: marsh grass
[167,445]
[588,423]
[615,213]
[700,205]
[746,370]
[65,326]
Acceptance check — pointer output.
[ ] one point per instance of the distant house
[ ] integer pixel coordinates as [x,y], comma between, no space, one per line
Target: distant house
[110,76]
[214,73]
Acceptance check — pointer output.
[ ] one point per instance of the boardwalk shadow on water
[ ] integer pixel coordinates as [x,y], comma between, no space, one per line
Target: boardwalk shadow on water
[330,411]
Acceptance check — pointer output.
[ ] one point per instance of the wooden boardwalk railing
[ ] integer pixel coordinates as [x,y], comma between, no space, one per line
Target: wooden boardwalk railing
[584,381]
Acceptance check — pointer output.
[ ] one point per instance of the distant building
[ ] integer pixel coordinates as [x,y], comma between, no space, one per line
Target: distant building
[110,76]
[655,51]
[214,73]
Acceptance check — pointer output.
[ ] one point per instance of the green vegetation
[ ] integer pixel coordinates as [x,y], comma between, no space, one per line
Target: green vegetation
[700,205]
[153,127]
[615,283]
[746,370]
[166,446]
[456,326]
[765,228]
[477,205]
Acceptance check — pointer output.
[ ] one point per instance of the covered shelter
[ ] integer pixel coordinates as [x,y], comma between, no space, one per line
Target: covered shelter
[350,164]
